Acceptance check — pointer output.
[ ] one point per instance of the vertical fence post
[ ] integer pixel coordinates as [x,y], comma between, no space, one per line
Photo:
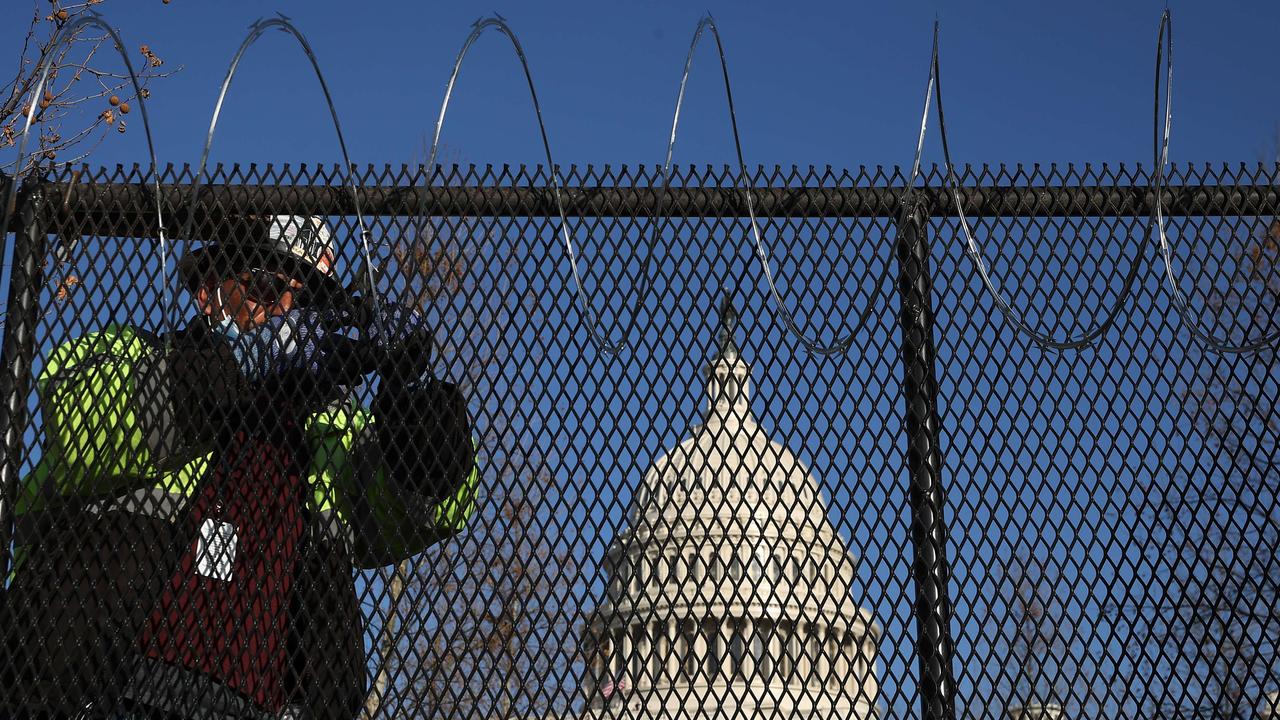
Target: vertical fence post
[26,278]
[924,468]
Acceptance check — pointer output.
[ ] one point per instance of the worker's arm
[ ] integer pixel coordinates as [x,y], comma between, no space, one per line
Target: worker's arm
[412,475]
[407,478]
[119,410]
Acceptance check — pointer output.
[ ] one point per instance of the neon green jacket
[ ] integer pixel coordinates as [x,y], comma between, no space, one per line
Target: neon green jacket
[94,449]
[99,516]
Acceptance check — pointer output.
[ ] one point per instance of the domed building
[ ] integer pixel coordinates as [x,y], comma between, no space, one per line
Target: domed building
[728,593]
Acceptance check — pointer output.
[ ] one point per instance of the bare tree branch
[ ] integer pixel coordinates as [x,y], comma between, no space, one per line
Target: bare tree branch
[481,626]
[1213,633]
[77,80]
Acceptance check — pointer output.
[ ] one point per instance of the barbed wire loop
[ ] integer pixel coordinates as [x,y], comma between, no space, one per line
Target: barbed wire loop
[974,250]
[256,31]
[500,24]
[707,23]
[1162,125]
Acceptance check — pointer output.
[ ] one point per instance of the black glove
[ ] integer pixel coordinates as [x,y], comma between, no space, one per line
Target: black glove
[341,364]
[313,357]
[408,363]
[421,422]
[185,394]
[393,339]
[424,436]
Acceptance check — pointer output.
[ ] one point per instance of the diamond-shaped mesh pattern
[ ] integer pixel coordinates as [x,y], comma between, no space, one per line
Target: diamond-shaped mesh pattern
[241,484]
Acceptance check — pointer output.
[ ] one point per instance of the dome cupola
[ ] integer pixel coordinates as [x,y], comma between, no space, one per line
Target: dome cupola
[729,590]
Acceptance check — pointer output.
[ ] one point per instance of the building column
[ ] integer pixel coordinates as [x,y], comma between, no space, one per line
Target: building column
[842,662]
[628,651]
[804,662]
[702,650]
[748,631]
[675,650]
[862,662]
[816,651]
[760,644]
[870,683]
[600,657]
[640,660]
[775,651]
[726,650]
[615,654]
[787,658]
[659,650]
[821,643]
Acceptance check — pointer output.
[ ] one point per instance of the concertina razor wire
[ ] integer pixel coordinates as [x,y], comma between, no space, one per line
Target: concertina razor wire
[432,496]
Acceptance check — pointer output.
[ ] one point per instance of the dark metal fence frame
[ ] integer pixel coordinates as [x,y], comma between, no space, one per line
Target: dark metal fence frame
[123,207]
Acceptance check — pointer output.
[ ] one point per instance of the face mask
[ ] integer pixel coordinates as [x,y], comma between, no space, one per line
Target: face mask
[259,350]
[225,327]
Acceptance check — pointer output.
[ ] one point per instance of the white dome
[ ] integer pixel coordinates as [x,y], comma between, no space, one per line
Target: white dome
[727,467]
[730,589]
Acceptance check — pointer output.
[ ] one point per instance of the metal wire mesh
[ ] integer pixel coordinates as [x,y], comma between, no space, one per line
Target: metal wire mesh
[947,519]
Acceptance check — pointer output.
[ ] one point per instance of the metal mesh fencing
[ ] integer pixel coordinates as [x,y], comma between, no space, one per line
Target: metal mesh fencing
[254,470]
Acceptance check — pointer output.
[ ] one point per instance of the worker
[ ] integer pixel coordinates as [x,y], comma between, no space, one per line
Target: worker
[185,545]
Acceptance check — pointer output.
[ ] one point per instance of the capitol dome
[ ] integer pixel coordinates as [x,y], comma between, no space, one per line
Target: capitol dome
[729,590]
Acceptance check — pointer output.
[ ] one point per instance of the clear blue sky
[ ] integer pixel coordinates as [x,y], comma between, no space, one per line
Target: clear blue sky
[816,83]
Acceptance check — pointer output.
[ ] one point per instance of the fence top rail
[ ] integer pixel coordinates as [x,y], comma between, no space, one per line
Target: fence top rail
[122,199]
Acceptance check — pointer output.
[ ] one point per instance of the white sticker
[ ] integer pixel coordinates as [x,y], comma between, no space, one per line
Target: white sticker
[285,340]
[216,551]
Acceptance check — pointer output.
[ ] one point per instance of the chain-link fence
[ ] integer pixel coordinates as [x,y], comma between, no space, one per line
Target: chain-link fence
[242,483]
